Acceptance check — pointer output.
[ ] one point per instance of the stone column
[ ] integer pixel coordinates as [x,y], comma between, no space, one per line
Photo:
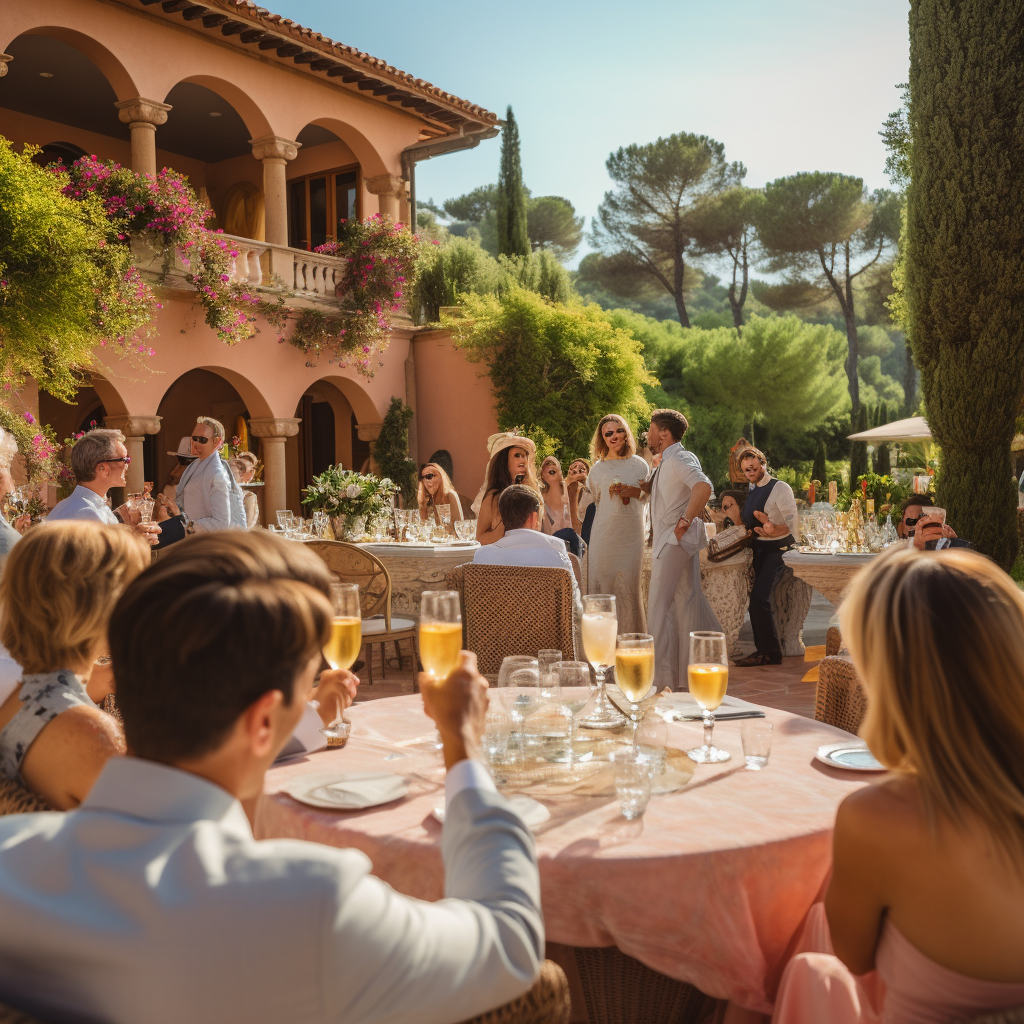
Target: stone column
[369,432]
[142,117]
[273,433]
[134,429]
[274,153]
[389,191]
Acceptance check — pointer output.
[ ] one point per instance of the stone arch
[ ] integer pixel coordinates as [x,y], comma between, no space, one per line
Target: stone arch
[113,403]
[362,405]
[250,394]
[108,62]
[370,161]
[249,111]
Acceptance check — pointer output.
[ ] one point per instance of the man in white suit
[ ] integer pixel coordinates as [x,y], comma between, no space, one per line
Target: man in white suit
[207,493]
[154,902]
[676,604]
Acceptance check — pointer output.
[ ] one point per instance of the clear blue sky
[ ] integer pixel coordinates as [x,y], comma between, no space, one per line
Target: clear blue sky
[786,85]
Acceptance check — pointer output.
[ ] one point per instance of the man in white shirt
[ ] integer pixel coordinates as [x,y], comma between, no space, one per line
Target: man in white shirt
[153,901]
[99,460]
[770,511]
[524,543]
[207,493]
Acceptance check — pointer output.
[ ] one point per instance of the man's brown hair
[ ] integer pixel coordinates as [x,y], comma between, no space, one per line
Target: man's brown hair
[91,449]
[220,620]
[750,452]
[672,421]
[516,504]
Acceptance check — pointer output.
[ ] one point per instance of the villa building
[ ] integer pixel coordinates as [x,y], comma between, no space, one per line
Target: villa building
[284,132]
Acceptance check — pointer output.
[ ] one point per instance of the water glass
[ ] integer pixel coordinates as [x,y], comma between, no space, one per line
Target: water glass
[145,506]
[546,662]
[632,783]
[284,518]
[651,743]
[512,664]
[756,735]
[497,733]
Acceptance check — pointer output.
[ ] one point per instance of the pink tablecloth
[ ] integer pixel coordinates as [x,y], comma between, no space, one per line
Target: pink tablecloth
[709,887]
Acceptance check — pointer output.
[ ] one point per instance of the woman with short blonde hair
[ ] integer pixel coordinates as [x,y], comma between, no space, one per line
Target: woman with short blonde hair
[927,884]
[58,589]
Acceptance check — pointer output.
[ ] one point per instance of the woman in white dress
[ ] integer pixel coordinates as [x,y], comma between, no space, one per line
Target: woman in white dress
[615,555]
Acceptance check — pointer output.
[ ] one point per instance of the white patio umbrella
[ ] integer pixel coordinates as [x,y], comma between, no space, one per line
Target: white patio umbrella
[913,429]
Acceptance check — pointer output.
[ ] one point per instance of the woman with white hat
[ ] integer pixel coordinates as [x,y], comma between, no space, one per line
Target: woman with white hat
[511,462]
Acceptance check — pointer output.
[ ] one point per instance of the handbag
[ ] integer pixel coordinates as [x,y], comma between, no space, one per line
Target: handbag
[727,543]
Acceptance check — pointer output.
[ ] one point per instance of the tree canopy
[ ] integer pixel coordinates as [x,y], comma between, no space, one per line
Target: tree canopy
[552,223]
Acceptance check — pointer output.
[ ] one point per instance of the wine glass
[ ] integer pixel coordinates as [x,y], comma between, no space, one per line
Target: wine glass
[600,627]
[284,518]
[521,695]
[440,633]
[634,672]
[342,648]
[708,675]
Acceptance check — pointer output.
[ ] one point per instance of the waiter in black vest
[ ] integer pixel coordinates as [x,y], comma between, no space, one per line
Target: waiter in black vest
[770,511]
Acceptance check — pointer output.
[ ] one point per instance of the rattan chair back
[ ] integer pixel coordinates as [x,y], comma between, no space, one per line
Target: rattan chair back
[548,1002]
[840,699]
[455,579]
[833,641]
[9,1015]
[16,799]
[512,609]
[351,564]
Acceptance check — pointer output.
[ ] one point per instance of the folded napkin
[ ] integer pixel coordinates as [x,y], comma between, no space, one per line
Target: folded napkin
[674,707]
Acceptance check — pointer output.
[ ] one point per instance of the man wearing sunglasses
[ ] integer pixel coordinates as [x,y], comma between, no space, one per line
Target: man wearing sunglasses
[210,499]
[927,533]
[99,460]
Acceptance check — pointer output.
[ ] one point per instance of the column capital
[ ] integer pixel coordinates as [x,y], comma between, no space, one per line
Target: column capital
[273,147]
[274,427]
[133,426]
[142,111]
[385,185]
[368,431]
[5,59]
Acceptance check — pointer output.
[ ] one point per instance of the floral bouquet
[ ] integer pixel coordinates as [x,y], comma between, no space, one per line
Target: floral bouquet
[347,496]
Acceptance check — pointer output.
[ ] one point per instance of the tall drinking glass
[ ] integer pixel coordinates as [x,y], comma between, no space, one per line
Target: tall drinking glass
[574,682]
[546,662]
[708,674]
[440,632]
[342,648]
[634,672]
[600,627]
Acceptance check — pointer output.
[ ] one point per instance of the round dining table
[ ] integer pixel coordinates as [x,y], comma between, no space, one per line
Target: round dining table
[709,887]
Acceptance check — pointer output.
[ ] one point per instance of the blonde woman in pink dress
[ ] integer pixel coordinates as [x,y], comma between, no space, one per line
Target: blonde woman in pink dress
[923,922]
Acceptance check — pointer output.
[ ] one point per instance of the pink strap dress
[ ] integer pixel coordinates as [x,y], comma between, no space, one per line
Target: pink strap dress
[905,988]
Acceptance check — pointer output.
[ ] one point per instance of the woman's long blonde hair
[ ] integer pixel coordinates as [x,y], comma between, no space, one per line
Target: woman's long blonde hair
[423,496]
[544,485]
[599,446]
[938,640]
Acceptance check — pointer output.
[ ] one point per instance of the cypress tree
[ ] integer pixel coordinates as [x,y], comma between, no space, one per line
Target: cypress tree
[859,451]
[819,470]
[513,239]
[965,252]
[882,466]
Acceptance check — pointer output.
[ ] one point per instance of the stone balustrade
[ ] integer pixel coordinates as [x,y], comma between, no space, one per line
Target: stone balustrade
[307,274]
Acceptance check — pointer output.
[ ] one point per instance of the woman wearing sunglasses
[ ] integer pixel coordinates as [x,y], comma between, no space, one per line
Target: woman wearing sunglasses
[558,520]
[436,489]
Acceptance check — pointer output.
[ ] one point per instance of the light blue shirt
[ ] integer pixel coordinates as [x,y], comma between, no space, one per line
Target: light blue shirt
[83,503]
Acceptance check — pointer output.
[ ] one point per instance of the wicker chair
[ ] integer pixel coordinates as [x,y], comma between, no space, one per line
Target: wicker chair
[511,609]
[10,1015]
[833,641]
[546,1003]
[840,699]
[620,990]
[16,799]
[1012,1016]
[351,564]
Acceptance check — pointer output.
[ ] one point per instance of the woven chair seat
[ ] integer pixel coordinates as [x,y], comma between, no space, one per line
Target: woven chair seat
[546,1003]
[840,699]
[16,799]
[1011,1016]
[833,641]
[621,990]
[511,609]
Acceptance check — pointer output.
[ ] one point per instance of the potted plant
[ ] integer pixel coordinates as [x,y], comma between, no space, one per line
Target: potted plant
[349,498]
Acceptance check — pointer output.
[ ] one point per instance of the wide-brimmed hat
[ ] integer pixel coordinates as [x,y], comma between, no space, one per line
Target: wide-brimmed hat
[497,443]
[184,449]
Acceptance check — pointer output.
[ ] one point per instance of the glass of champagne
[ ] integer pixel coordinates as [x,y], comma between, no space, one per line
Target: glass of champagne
[440,632]
[600,627]
[708,674]
[634,672]
[347,628]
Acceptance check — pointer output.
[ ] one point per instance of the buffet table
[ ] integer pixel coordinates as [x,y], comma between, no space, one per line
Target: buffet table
[828,574]
[417,567]
[709,887]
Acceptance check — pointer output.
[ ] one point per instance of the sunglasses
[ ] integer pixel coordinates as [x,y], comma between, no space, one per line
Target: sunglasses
[126,460]
[612,433]
[201,440]
[551,471]
[427,476]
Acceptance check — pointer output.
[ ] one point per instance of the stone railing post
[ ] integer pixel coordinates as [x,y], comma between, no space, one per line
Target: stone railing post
[389,191]
[142,117]
[273,432]
[274,153]
[134,429]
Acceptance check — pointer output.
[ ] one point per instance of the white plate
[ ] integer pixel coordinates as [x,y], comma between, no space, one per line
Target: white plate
[348,791]
[533,812]
[852,756]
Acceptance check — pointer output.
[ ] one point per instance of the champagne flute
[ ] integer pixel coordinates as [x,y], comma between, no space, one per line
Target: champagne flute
[600,627]
[634,672]
[440,632]
[342,648]
[708,675]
